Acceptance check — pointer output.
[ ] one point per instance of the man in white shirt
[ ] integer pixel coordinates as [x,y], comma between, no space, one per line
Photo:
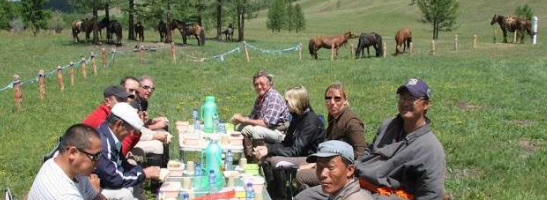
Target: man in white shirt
[67,176]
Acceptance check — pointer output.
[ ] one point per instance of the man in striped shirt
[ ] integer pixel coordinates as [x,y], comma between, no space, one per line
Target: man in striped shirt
[68,175]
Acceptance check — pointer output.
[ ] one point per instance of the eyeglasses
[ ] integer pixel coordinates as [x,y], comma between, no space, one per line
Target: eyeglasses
[92,157]
[147,87]
[336,98]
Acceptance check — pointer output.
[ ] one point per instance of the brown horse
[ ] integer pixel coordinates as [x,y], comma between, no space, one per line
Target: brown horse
[139,31]
[162,29]
[512,24]
[403,38]
[84,25]
[76,29]
[185,30]
[329,42]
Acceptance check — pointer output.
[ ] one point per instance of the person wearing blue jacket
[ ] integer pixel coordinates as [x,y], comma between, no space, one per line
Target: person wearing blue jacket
[120,179]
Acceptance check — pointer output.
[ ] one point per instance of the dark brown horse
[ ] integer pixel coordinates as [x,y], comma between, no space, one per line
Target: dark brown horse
[329,42]
[403,38]
[513,24]
[185,30]
[162,29]
[228,33]
[365,41]
[139,31]
[114,27]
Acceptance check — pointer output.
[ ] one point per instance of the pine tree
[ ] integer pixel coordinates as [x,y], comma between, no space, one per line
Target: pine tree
[299,19]
[290,17]
[524,12]
[33,14]
[275,16]
[440,13]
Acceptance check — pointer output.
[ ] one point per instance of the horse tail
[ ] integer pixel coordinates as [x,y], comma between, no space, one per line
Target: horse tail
[202,36]
[380,44]
[311,46]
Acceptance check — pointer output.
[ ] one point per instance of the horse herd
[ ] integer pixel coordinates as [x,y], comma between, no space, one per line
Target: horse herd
[114,27]
[403,38]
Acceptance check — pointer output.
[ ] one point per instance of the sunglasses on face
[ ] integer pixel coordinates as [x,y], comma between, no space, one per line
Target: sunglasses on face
[147,87]
[330,98]
[408,99]
[92,157]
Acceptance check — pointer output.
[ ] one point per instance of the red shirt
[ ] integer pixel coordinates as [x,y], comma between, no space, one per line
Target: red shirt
[97,117]
[129,142]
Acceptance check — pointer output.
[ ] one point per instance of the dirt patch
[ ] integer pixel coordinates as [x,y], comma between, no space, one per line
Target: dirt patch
[465,173]
[528,145]
[523,122]
[467,106]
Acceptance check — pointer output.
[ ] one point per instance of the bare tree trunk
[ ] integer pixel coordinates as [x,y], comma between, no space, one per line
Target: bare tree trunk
[219,18]
[241,28]
[131,35]
[168,36]
[107,17]
[94,21]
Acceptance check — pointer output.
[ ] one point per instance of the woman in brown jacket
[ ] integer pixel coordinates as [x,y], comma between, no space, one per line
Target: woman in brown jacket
[343,125]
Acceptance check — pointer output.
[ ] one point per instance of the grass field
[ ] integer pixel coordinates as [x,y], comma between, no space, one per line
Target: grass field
[488,103]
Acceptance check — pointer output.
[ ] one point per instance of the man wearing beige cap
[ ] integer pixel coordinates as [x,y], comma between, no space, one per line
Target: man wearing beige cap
[120,179]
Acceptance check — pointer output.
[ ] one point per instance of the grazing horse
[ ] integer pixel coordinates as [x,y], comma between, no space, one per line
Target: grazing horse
[162,29]
[114,27]
[329,42]
[185,30]
[403,38]
[367,40]
[76,29]
[139,31]
[228,33]
[513,24]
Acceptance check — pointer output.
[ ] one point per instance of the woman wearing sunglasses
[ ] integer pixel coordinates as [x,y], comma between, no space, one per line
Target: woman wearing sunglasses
[343,124]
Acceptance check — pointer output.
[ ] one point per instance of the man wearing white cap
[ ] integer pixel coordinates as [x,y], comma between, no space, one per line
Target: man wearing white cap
[119,178]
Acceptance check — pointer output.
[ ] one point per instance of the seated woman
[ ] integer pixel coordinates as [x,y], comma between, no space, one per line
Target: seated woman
[303,136]
[343,125]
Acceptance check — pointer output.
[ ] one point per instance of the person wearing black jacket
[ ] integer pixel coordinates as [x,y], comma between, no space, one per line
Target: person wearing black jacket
[302,139]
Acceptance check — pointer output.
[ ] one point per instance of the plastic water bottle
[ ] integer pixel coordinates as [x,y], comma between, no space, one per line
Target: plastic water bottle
[249,192]
[184,196]
[197,124]
[197,179]
[212,182]
[221,127]
[216,123]
[229,161]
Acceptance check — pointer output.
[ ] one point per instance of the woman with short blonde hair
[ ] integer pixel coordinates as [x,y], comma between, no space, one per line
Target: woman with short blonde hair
[297,99]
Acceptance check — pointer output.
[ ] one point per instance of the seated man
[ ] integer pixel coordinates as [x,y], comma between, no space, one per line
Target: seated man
[270,113]
[112,95]
[406,160]
[335,170]
[120,179]
[66,175]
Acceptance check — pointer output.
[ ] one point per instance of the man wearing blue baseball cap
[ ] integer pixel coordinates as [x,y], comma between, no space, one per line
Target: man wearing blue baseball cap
[405,160]
[335,170]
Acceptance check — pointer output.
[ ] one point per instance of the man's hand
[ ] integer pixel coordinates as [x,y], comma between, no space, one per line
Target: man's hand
[161,137]
[95,182]
[152,172]
[260,152]
[158,123]
[238,119]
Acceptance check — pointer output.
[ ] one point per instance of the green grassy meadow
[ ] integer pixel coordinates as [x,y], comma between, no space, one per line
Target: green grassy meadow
[488,103]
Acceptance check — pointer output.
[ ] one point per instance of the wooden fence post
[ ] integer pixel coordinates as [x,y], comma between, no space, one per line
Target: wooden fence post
[332,47]
[432,47]
[515,37]
[351,51]
[300,51]
[455,42]
[103,57]
[60,78]
[141,54]
[411,48]
[246,52]
[17,94]
[384,52]
[42,84]
[93,66]
[84,67]
[72,74]
[173,52]
[474,41]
